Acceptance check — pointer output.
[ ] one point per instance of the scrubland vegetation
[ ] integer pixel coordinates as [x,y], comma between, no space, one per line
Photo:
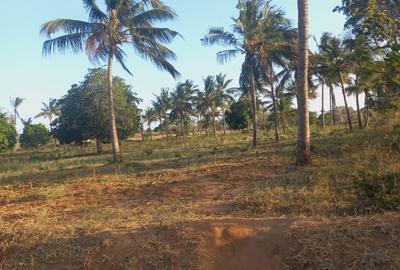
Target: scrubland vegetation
[67,206]
[211,176]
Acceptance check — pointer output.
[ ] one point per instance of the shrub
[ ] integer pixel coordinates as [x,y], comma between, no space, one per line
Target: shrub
[34,135]
[8,136]
[379,191]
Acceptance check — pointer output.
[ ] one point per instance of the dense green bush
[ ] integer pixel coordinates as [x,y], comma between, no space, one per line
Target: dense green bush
[239,115]
[34,135]
[8,136]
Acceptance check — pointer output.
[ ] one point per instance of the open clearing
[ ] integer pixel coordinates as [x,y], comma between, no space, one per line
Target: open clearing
[200,203]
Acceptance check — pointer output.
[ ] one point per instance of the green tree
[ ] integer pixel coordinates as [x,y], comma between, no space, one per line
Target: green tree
[239,115]
[8,135]
[34,136]
[376,21]
[84,114]
[104,34]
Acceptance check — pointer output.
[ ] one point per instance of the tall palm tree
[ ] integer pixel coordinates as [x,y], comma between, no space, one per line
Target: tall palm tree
[162,106]
[224,99]
[15,103]
[105,33]
[182,100]
[360,58]
[149,117]
[242,40]
[210,98]
[336,55]
[260,33]
[303,136]
[277,40]
[49,110]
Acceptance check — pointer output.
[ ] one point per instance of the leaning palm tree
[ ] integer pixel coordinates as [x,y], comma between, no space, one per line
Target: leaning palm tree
[105,33]
[303,136]
[49,110]
[15,103]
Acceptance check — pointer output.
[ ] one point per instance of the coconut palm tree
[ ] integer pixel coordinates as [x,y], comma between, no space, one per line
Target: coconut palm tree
[242,40]
[210,98]
[149,118]
[182,100]
[360,59]
[224,99]
[49,110]
[277,40]
[336,55]
[303,135]
[252,37]
[15,103]
[104,34]
[162,106]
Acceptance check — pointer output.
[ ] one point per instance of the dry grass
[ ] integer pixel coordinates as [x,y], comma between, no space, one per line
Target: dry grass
[61,207]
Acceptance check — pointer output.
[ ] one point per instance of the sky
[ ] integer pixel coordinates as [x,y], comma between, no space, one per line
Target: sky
[25,73]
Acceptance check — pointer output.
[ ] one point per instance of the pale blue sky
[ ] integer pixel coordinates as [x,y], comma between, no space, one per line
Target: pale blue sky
[26,74]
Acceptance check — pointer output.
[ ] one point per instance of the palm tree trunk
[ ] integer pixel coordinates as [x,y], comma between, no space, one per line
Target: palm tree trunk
[333,105]
[254,103]
[345,102]
[151,134]
[213,123]
[366,109]
[282,121]
[142,131]
[114,135]
[274,107]
[224,120]
[303,135]
[323,105]
[360,124]
[182,127]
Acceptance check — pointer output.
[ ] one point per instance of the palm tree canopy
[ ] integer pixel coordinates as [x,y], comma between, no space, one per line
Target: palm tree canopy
[105,32]
[15,103]
[49,110]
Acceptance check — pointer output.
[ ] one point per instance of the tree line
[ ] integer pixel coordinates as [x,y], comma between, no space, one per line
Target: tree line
[278,69]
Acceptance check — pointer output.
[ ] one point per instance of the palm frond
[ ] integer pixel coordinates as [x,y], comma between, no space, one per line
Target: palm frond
[218,36]
[95,13]
[158,55]
[65,25]
[72,42]
[227,55]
